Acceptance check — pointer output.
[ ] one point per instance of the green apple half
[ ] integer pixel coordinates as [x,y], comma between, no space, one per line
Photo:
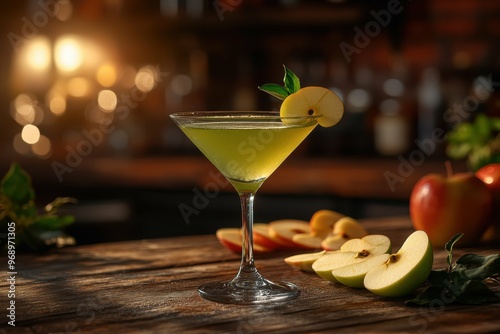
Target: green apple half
[353,253]
[404,271]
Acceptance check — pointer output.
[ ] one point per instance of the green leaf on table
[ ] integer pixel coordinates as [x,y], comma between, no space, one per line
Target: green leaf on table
[274,90]
[477,267]
[291,81]
[462,133]
[477,292]
[16,185]
[463,282]
[17,204]
[449,248]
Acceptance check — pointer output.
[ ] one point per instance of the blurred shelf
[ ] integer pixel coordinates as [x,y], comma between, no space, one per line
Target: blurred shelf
[375,178]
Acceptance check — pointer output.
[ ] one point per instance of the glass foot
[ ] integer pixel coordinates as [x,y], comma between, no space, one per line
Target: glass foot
[248,292]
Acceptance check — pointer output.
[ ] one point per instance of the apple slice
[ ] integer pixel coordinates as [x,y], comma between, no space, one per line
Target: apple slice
[404,271]
[349,227]
[353,274]
[322,222]
[321,101]
[231,239]
[262,237]
[333,242]
[325,265]
[352,253]
[307,240]
[304,261]
[344,229]
[374,243]
[282,231]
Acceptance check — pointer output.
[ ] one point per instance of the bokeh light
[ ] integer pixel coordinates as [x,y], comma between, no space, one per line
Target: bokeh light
[107,100]
[358,100]
[38,53]
[78,87]
[181,84]
[393,87]
[42,148]
[106,75]
[20,146]
[145,80]
[30,134]
[57,105]
[68,54]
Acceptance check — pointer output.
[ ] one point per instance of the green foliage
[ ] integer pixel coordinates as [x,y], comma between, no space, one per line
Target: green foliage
[40,232]
[463,282]
[477,141]
[291,84]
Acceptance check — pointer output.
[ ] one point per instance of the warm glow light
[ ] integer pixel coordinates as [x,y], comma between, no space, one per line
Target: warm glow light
[107,100]
[30,134]
[145,79]
[23,111]
[68,54]
[38,53]
[57,105]
[42,147]
[78,87]
[106,75]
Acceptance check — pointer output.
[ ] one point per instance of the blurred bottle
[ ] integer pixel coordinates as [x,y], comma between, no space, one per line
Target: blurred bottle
[391,129]
[429,100]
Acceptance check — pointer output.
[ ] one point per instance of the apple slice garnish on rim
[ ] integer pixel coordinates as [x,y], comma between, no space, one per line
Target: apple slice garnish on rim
[314,100]
[307,101]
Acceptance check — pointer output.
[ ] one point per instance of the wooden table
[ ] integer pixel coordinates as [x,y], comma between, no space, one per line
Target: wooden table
[150,286]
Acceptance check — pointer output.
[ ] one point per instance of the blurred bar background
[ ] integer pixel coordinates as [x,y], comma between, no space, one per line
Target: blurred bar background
[87,87]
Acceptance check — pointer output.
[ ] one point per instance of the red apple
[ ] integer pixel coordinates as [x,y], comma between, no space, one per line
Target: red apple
[444,206]
[490,175]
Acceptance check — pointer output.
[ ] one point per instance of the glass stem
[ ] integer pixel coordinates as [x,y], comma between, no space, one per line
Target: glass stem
[247,274]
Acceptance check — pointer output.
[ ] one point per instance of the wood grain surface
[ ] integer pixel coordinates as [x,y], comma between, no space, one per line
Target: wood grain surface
[150,286]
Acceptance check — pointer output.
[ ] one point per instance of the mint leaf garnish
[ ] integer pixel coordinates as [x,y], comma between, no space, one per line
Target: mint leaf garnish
[275,90]
[291,84]
[464,282]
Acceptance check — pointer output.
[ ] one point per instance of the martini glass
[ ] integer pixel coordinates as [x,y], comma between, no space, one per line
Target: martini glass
[246,147]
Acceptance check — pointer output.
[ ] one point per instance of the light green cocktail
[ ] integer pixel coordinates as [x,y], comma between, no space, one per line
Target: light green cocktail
[246,147]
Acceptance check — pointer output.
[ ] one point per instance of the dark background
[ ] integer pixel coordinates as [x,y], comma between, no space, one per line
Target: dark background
[212,55]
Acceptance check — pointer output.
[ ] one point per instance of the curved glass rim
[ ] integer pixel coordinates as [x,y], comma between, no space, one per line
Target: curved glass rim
[238,115]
